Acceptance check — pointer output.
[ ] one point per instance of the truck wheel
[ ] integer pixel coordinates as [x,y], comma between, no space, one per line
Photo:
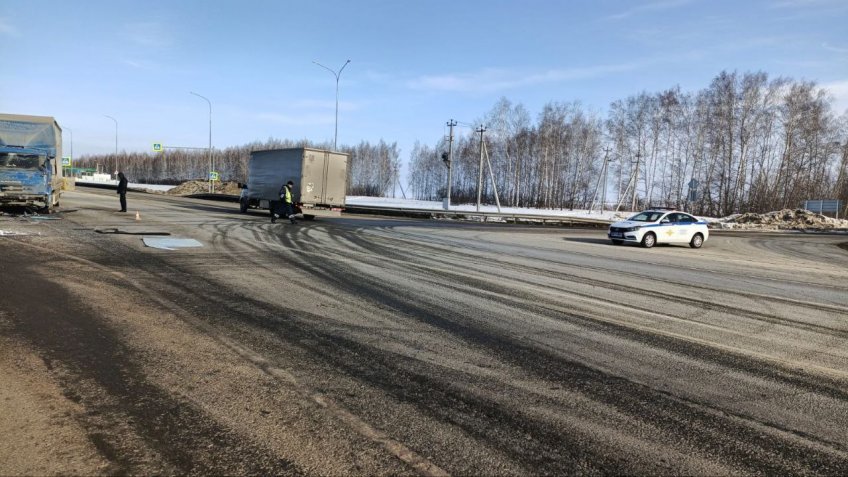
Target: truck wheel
[243,206]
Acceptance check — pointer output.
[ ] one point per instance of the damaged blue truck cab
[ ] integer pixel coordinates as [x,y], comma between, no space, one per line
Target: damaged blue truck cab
[30,162]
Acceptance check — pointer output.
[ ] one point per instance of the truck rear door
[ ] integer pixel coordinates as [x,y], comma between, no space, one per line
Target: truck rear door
[335,187]
[314,167]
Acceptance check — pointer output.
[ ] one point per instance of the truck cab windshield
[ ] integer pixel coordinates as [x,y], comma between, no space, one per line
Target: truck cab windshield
[13,160]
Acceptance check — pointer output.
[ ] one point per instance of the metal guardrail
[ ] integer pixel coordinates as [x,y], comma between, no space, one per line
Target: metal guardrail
[472,215]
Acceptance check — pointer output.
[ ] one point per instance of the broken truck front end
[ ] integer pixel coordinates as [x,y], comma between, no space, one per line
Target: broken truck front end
[26,178]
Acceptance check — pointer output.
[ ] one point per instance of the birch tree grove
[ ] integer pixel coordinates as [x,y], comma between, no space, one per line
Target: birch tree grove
[744,143]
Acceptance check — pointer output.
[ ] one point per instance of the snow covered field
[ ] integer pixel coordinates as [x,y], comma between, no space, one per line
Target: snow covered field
[162,188]
[131,185]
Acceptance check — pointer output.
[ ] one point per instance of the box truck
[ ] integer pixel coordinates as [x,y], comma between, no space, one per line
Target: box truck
[30,161]
[319,177]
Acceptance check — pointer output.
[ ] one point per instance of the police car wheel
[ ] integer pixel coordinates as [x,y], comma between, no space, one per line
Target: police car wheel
[649,240]
[697,241]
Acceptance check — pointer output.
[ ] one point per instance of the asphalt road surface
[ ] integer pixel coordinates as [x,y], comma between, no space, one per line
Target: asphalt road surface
[362,345]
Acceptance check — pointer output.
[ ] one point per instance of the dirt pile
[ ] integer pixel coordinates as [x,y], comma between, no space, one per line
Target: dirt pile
[786,219]
[202,187]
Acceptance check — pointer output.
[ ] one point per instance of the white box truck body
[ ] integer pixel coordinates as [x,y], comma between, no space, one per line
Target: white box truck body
[319,177]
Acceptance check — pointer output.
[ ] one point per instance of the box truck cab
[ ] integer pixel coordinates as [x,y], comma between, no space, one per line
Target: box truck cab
[30,157]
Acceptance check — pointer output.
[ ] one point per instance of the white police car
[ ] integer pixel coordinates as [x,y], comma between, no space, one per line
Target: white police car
[651,227]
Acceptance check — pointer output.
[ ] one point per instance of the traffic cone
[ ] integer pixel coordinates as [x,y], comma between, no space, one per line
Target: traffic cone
[137,215]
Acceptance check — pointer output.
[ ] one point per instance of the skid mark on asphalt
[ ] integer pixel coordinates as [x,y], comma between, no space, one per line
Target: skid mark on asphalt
[126,413]
[420,464]
[623,310]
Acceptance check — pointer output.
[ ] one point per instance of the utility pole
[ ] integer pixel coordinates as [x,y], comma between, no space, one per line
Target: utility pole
[601,178]
[606,171]
[480,171]
[397,181]
[636,181]
[451,125]
[492,178]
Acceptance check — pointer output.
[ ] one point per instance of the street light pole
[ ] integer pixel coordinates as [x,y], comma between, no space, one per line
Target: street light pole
[72,144]
[337,75]
[211,164]
[117,169]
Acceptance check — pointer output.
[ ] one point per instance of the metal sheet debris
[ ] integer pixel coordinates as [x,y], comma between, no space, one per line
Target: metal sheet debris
[170,243]
[12,233]
[127,232]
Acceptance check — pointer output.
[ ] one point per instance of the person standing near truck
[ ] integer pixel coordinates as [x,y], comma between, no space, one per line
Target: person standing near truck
[288,201]
[122,190]
[287,204]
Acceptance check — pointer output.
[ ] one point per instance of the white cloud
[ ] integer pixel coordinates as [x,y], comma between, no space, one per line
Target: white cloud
[835,49]
[139,64]
[492,79]
[806,3]
[148,34]
[308,104]
[839,91]
[297,120]
[649,7]
[7,28]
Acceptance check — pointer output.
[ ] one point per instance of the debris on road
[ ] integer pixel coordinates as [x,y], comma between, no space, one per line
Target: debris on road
[126,232]
[14,233]
[170,243]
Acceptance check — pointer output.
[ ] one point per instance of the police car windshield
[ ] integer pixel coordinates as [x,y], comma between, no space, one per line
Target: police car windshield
[646,217]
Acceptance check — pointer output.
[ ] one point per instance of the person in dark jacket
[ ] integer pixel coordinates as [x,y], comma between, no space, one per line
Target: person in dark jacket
[122,190]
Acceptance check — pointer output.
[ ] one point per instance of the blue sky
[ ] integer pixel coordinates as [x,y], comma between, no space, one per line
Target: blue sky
[414,64]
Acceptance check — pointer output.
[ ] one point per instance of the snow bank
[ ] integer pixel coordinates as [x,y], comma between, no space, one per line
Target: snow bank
[786,219]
